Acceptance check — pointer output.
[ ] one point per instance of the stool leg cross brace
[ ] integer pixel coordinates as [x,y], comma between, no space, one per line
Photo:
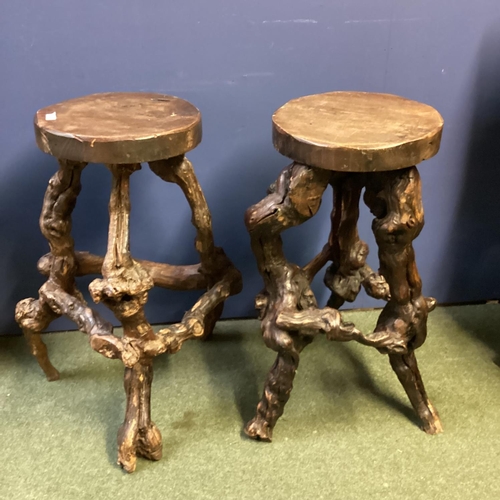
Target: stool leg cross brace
[124,289]
[290,317]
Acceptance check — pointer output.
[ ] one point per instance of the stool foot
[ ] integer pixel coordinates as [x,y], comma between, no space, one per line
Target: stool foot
[39,350]
[34,316]
[258,429]
[406,369]
[277,389]
[211,321]
[138,436]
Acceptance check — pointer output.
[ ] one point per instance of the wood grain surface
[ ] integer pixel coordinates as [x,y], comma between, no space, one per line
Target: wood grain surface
[357,131]
[118,127]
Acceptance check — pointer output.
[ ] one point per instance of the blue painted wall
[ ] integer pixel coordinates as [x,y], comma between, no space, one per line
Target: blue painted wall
[238,61]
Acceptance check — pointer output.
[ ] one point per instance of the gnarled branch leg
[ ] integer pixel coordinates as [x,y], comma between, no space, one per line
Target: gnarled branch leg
[294,198]
[349,270]
[406,368]
[34,316]
[55,223]
[124,289]
[395,200]
[277,388]
[214,263]
[138,435]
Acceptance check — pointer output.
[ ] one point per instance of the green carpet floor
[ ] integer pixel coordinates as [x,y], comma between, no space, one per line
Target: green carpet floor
[348,431]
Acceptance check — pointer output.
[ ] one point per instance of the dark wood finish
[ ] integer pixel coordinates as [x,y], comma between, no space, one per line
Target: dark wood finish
[290,317]
[34,315]
[124,286]
[357,131]
[395,200]
[163,275]
[118,127]
[349,270]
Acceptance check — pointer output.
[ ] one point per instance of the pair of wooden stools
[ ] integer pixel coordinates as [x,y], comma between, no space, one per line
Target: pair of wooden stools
[349,140]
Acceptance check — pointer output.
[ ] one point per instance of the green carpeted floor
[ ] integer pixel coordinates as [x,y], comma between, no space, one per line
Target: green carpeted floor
[348,431]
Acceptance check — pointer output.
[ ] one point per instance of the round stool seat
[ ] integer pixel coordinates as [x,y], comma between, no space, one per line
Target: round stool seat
[118,127]
[357,131]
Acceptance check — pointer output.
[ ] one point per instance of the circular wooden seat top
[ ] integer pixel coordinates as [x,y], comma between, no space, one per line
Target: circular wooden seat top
[357,131]
[118,127]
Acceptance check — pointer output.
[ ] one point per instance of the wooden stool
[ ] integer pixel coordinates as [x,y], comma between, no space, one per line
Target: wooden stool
[122,130]
[350,140]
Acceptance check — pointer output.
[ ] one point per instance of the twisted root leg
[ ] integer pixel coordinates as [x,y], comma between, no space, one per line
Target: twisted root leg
[39,350]
[34,317]
[348,252]
[124,289]
[395,200]
[179,170]
[406,369]
[349,270]
[138,435]
[277,389]
[293,199]
[211,320]
[55,223]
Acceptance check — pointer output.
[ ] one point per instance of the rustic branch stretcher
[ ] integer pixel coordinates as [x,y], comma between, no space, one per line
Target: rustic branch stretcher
[122,130]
